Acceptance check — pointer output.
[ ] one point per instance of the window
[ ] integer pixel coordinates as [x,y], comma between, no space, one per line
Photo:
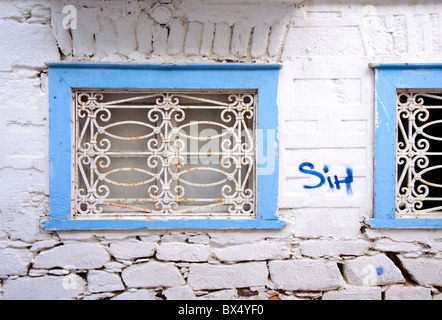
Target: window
[408,146]
[163,146]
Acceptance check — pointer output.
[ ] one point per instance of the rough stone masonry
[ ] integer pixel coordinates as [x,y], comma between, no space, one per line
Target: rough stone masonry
[326,103]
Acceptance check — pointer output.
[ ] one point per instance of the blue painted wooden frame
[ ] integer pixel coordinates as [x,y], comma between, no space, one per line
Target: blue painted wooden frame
[389,78]
[65,76]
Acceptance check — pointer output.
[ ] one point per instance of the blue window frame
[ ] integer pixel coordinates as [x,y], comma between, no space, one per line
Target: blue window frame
[389,78]
[64,77]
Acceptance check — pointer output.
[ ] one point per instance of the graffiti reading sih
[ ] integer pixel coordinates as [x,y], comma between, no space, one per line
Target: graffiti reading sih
[307,168]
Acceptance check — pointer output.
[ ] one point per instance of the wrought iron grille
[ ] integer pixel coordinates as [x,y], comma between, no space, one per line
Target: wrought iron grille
[174,154]
[419,153]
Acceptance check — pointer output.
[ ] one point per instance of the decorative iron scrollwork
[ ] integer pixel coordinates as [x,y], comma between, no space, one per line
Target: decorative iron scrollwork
[164,153]
[419,153]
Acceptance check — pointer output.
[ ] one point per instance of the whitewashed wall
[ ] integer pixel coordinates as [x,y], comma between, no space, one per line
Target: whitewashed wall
[326,107]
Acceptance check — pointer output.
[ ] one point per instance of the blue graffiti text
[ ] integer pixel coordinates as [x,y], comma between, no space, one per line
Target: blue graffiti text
[308,168]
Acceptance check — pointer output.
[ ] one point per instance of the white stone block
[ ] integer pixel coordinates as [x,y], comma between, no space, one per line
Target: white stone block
[99,296]
[379,39]
[260,40]
[220,295]
[437,296]
[305,274]
[276,38]
[44,288]
[152,274]
[436,35]
[114,266]
[177,35]
[14,261]
[83,42]
[261,250]
[37,272]
[141,294]
[301,126]
[132,249]
[219,238]
[40,14]
[332,91]
[73,256]
[174,237]
[240,39]
[204,276]
[317,156]
[27,45]
[70,236]
[159,40]
[151,236]
[18,93]
[207,38]
[221,41]
[425,271]
[106,37]
[322,248]
[335,222]
[374,270]
[26,140]
[389,245]
[407,293]
[83,35]
[178,251]
[144,31]
[9,11]
[179,293]
[102,281]
[126,37]
[200,238]
[323,41]
[58,272]
[321,18]
[44,244]
[62,35]
[193,38]
[22,224]
[363,293]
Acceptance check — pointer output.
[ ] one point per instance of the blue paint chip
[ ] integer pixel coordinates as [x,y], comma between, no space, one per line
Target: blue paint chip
[379,270]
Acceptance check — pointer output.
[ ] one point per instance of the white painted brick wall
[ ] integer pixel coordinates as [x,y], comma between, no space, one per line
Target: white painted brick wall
[326,117]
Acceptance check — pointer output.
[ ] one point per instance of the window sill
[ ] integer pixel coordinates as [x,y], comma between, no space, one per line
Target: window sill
[404,223]
[125,224]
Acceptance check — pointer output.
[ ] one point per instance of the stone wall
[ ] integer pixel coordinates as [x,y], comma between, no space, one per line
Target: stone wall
[326,107]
